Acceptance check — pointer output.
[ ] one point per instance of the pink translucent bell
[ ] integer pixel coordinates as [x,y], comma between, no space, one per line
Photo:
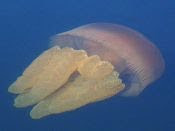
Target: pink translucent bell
[137,60]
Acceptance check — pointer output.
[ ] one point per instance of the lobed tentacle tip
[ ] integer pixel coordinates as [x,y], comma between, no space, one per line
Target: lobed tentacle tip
[35,114]
[13,89]
[19,103]
[40,110]
[24,100]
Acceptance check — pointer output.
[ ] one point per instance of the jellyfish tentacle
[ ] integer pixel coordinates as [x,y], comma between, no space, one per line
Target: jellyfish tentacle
[96,81]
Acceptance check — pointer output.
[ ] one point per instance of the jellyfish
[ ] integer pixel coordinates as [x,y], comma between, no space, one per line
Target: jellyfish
[85,65]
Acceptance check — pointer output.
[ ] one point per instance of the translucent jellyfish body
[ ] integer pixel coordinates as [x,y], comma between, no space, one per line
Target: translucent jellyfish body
[87,64]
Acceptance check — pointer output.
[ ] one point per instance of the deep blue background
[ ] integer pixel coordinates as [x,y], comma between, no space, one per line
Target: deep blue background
[25,28]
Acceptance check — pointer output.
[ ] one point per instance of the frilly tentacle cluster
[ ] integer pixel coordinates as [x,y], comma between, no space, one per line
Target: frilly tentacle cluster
[64,79]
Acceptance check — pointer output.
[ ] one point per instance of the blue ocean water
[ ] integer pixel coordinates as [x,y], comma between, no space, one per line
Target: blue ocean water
[25,29]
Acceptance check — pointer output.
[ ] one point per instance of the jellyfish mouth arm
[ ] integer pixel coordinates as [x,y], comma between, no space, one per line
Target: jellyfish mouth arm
[46,82]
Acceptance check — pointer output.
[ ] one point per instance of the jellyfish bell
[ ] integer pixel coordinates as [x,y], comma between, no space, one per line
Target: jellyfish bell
[87,64]
[137,59]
